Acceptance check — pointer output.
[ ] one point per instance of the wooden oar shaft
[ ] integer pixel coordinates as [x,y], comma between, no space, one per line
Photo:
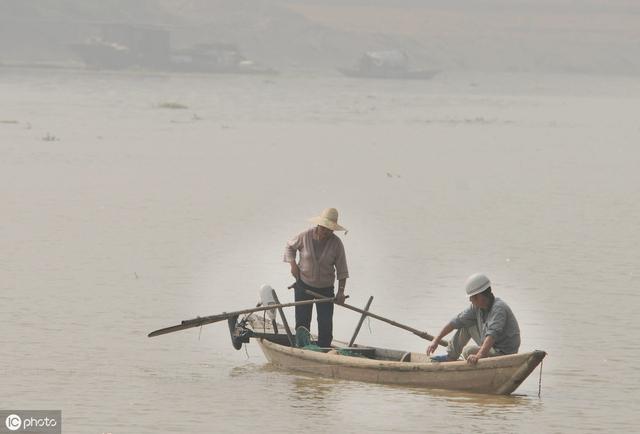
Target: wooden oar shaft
[423,335]
[355,333]
[200,321]
[284,319]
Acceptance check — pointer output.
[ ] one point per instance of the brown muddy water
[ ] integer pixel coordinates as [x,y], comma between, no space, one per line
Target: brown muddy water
[121,216]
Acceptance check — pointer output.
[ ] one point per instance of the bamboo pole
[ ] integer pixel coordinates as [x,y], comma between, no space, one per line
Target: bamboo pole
[423,335]
[284,318]
[364,315]
[200,321]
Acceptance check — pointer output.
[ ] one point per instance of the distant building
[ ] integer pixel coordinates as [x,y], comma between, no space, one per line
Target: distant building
[123,45]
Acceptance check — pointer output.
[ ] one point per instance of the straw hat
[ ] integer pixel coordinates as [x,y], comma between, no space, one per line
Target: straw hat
[328,219]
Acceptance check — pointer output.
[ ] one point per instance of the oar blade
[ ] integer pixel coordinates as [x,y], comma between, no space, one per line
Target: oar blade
[165,330]
[200,321]
[190,323]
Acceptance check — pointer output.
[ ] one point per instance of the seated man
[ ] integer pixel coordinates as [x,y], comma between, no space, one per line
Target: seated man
[488,321]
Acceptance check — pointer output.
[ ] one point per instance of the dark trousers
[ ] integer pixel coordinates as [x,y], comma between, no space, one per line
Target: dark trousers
[324,312]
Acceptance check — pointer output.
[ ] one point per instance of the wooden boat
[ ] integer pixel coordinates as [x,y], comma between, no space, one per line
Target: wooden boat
[494,375]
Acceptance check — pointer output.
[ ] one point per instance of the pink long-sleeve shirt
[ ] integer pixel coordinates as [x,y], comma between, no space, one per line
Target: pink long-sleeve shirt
[318,269]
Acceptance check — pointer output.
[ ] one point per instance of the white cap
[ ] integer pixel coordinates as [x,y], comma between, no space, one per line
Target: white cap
[476,283]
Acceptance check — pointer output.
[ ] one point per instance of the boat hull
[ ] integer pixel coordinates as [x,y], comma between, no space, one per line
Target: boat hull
[495,375]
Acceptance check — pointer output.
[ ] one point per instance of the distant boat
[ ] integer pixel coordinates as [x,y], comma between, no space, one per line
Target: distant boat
[214,58]
[393,64]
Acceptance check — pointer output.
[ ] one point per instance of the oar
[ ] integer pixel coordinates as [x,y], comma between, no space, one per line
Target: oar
[423,335]
[200,321]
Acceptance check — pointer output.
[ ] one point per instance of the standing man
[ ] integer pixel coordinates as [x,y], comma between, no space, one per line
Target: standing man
[488,321]
[322,259]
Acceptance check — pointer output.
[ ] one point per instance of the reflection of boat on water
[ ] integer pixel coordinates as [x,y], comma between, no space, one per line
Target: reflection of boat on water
[214,58]
[121,46]
[386,64]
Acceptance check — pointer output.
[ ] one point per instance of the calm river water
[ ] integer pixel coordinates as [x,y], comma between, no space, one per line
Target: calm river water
[121,216]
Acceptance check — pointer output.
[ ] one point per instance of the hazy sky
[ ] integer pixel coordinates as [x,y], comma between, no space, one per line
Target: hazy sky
[586,36]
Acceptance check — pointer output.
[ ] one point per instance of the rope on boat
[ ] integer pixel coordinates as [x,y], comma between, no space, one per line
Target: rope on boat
[264,321]
[540,380]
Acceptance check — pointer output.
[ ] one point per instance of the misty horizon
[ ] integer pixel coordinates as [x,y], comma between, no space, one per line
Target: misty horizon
[524,36]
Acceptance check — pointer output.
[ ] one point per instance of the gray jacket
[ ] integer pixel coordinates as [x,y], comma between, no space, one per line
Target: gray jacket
[497,321]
